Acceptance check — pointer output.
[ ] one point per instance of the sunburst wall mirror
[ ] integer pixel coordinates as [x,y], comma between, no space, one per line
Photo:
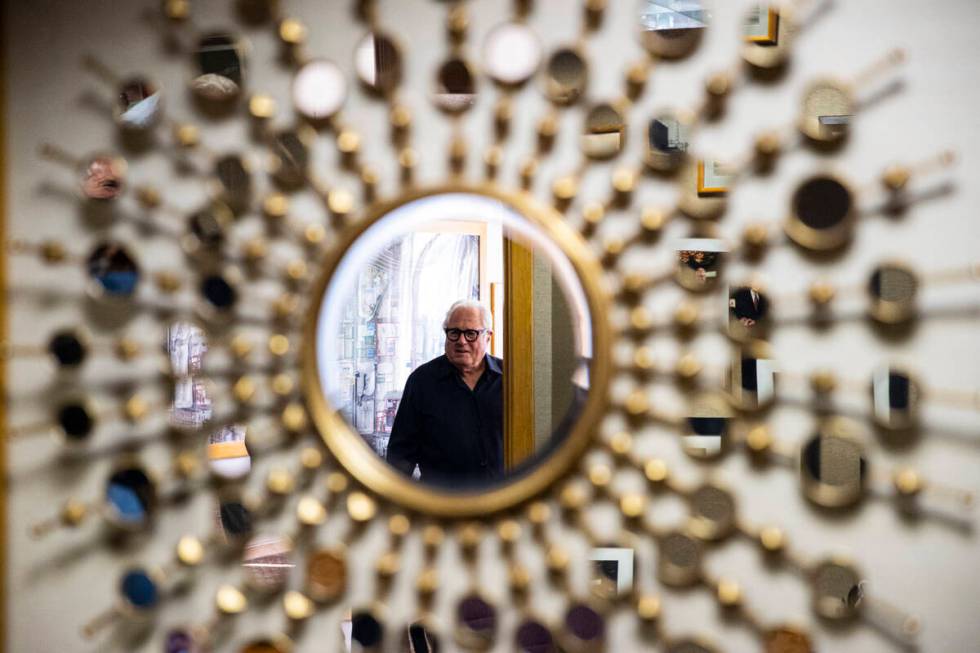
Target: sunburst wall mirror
[539,326]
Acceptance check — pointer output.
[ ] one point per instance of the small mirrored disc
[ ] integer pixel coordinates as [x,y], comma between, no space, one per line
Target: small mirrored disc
[532,636]
[833,468]
[766,35]
[326,574]
[419,638]
[378,62]
[235,181]
[139,590]
[476,622]
[290,158]
[679,559]
[751,380]
[67,348]
[207,229]
[836,590]
[138,104]
[699,260]
[219,293]
[748,313]
[895,398]
[319,89]
[585,628]
[228,457]
[113,270]
[234,519]
[828,108]
[787,639]
[672,28]
[130,497]
[220,62]
[604,132]
[704,186]
[455,87]
[267,561]
[892,290]
[668,137]
[103,177]
[367,632]
[76,420]
[821,213]
[566,76]
[712,512]
[511,53]
[707,432]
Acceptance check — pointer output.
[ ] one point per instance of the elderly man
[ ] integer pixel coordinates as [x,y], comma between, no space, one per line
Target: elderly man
[450,419]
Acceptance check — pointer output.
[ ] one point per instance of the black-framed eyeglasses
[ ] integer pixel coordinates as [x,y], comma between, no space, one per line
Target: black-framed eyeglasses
[470,334]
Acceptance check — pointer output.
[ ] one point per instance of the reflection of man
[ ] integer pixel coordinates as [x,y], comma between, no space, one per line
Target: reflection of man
[450,419]
[748,306]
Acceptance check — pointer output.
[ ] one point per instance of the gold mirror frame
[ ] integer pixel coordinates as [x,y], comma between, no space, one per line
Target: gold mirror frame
[374,473]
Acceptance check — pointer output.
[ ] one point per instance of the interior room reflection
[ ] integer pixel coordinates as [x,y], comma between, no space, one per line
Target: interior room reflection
[459,353]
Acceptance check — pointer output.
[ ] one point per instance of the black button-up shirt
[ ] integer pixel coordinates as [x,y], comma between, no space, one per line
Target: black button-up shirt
[454,434]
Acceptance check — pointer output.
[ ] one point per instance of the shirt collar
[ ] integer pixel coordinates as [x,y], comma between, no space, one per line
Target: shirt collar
[492,362]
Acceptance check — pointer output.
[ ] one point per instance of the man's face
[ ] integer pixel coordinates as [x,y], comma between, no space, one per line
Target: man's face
[466,355]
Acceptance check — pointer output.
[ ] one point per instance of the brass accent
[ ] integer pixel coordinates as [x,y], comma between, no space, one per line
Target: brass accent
[354,454]
[278,345]
[729,593]
[167,282]
[399,525]
[823,382]
[336,482]
[361,507]
[656,470]
[821,293]
[297,606]
[648,607]
[907,482]
[326,574]
[280,481]
[294,417]
[310,512]
[275,205]
[241,346]
[230,600]
[190,551]
[772,539]
[311,458]
[632,505]
[428,582]
[135,408]
[244,390]
[292,31]
[261,106]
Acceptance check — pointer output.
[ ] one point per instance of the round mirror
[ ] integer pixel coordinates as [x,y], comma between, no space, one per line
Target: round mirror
[667,141]
[511,53]
[319,89]
[604,132]
[378,62]
[766,36]
[220,62]
[566,76]
[455,87]
[822,212]
[138,104]
[827,110]
[451,359]
[672,28]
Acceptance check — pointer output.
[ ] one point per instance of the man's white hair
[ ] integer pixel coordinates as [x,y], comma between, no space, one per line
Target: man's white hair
[470,303]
